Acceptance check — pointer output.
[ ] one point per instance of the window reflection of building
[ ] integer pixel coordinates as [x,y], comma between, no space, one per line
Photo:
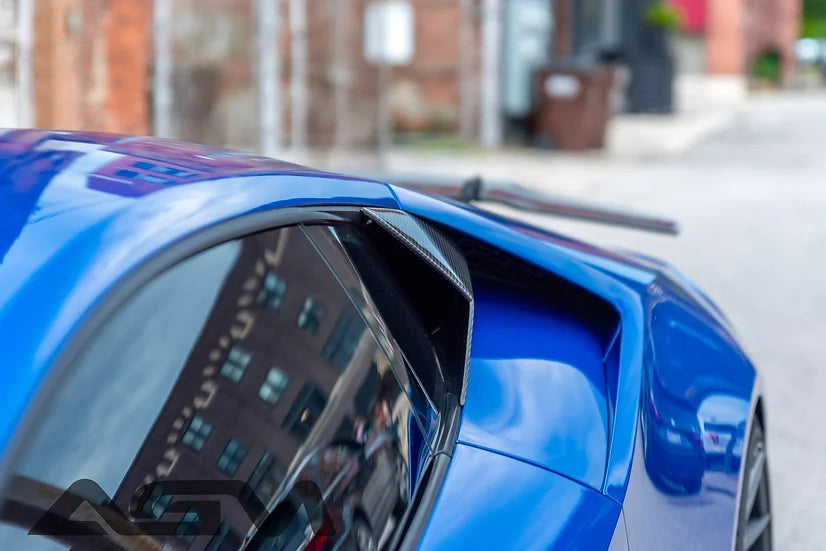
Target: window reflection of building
[197,433]
[236,364]
[280,306]
[273,386]
[341,345]
[309,319]
[133,177]
[188,528]
[305,411]
[156,504]
[28,163]
[224,540]
[146,165]
[272,291]
[266,477]
[231,458]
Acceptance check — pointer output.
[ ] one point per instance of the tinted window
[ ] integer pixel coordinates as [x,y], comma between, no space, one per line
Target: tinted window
[344,339]
[427,384]
[260,361]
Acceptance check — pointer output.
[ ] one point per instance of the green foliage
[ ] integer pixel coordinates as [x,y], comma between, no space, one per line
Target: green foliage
[813,28]
[814,19]
[766,66]
[428,142]
[664,16]
[814,8]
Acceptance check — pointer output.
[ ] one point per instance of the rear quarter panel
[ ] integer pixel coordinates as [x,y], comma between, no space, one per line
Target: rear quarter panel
[684,393]
[537,386]
[490,501]
[695,404]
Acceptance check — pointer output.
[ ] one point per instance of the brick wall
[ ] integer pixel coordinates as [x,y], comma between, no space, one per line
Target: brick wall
[739,30]
[773,25]
[725,32]
[127,27]
[90,64]
[93,63]
[213,50]
[8,65]
[424,95]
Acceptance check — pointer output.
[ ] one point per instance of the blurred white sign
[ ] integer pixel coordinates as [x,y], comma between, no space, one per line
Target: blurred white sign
[808,50]
[562,86]
[389,32]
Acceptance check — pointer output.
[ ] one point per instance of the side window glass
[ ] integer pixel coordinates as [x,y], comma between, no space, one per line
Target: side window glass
[343,341]
[251,362]
[421,384]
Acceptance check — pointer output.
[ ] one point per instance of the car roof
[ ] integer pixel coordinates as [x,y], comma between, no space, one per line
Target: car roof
[79,211]
[56,185]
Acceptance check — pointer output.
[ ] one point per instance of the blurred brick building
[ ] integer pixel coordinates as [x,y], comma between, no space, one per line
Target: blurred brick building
[93,61]
[732,33]
[93,68]
[8,65]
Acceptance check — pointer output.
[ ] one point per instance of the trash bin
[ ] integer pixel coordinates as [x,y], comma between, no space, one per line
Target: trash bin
[573,105]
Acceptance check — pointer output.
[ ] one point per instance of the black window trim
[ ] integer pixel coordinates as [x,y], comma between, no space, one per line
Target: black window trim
[375,324]
[415,520]
[434,472]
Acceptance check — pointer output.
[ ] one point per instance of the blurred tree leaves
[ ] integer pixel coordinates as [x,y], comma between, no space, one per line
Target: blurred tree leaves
[814,19]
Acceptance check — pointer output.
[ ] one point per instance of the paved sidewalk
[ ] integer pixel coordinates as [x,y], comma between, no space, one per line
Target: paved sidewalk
[657,136]
[633,142]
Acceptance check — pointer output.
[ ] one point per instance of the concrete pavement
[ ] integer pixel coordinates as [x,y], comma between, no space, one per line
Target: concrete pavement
[752,205]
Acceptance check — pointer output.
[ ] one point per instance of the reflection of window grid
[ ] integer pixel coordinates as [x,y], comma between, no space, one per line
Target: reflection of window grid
[231,458]
[309,319]
[151,179]
[272,291]
[157,502]
[236,364]
[143,165]
[197,433]
[188,527]
[341,346]
[305,411]
[266,477]
[273,386]
[224,540]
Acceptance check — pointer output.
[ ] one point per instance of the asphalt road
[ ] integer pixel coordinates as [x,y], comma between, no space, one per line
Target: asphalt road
[752,205]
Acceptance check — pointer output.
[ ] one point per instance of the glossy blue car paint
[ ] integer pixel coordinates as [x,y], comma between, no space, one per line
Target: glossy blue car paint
[74,243]
[697,396]
[659,438]
[624,296]
[521,346]
[636,289]
[509,504]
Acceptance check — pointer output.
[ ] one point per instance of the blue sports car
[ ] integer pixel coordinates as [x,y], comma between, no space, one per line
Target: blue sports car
[210,350]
